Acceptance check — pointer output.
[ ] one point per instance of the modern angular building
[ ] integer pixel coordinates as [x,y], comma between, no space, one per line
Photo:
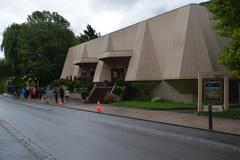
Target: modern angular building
[172,48]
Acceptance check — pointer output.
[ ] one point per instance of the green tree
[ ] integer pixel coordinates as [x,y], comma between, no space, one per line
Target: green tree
[2,87]
[41,45]
[227,14]
[5,69]
[88,34]
[10,46]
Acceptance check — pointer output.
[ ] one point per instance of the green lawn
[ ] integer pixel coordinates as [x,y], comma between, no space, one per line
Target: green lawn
[232,113]
[153,105]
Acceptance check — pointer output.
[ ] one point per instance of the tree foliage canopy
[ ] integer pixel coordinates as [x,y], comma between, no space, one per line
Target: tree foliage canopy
[38,47]
[45,17]
[5,70]
[88,34]
[227,14]
[11,47]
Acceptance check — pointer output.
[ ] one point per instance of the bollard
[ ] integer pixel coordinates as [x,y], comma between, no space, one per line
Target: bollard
[210,122]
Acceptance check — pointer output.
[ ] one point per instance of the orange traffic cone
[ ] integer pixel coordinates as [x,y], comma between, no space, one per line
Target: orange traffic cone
[98,109]
[60,103]
[42,100]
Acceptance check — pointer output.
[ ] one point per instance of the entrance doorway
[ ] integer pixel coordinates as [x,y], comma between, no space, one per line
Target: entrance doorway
[117,73]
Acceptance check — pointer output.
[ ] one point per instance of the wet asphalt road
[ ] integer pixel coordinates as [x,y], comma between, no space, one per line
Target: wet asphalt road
[68,134]
[11,149]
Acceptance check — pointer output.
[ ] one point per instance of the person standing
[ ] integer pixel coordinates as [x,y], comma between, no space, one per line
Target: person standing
[47,94]
[30,93]
[61,92]
[41,93]
[34,92]
[55,93]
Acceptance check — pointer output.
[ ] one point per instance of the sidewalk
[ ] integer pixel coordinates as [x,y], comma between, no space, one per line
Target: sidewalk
[188,119]
[173,117]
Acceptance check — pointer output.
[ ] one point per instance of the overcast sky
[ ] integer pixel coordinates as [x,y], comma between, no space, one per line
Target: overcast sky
[103,15]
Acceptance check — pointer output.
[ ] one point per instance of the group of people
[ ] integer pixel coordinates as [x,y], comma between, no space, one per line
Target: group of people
[25,92]
[75,78]
[84,74]
[46,93]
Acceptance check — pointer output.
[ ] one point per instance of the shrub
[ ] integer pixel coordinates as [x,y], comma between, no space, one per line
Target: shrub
[138,90]
[19,82]
[59,82]
[71,85]
[85,87]
[131,93]
[119,90]
[84,93]
[2,87]
[121,82]
[145,89]
[108,98]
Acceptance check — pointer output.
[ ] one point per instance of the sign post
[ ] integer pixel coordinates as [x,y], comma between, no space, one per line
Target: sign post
[210,121]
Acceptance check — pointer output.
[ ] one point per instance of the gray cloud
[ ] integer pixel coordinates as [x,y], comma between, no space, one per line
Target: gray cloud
[114,4]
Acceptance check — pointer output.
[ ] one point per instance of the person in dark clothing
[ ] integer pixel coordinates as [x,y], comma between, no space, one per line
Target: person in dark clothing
[55,93]
[75,78]
[61,92]
[41,92]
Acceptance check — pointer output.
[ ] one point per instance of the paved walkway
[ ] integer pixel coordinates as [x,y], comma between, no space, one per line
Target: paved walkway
[189,119]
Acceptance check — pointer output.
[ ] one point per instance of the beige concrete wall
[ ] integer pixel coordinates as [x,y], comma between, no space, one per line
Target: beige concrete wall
[168,40]
[123,39]
[69,69]
[200,48]
[177,90]
[174,45]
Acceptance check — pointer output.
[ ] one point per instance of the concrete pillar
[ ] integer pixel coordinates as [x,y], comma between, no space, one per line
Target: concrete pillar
[226,93]
[75,71]
[199,93]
